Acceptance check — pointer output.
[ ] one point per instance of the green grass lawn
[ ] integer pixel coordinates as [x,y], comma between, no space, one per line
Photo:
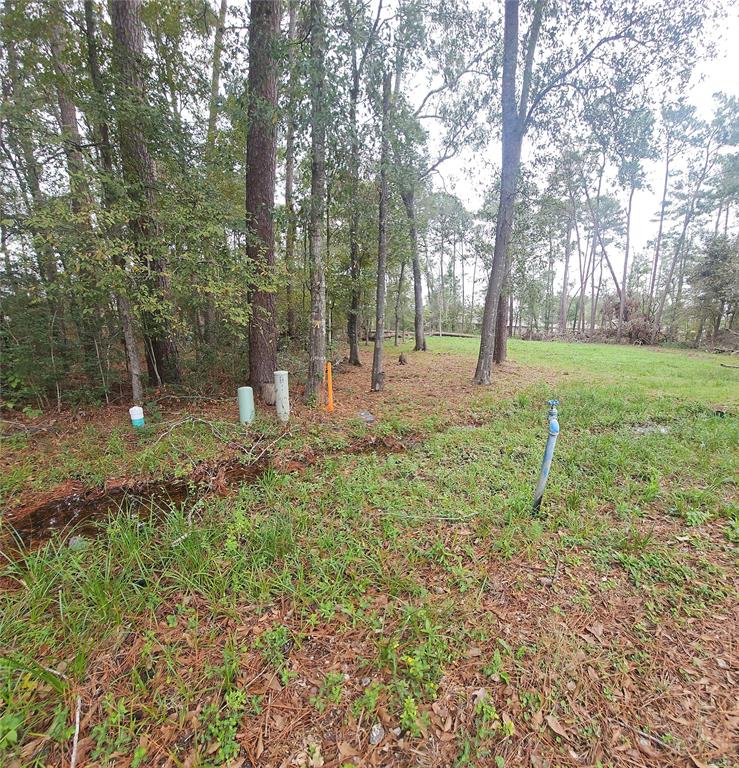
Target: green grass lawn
[413,592]
[687,374]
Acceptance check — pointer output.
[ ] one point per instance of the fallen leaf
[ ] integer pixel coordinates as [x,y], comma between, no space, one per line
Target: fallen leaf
[698,763]
[596,630]
[556,726]
[347,750]
[646,748]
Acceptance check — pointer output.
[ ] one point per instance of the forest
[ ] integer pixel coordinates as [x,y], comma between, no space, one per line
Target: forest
[201,188]
[368,383]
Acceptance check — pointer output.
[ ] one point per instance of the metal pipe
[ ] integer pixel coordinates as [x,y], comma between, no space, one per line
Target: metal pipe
[546,464]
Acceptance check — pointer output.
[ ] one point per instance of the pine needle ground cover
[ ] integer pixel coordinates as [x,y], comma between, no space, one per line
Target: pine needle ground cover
[380,594]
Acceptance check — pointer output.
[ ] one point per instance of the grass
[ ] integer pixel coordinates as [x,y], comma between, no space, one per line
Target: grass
[686,374]
[411,589]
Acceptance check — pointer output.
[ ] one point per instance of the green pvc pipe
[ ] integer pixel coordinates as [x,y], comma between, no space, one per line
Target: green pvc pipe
[246,405]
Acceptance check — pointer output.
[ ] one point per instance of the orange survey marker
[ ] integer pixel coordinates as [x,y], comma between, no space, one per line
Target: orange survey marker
[329,389]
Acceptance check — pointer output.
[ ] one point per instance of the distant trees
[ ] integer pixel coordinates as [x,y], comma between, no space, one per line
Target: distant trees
[610,53]
[141,143]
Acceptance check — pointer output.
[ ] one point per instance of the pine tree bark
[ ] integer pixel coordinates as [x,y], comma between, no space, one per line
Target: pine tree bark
[261,160]
[317,341]
[378,373]
[500,351]
[291,229]
[138,173]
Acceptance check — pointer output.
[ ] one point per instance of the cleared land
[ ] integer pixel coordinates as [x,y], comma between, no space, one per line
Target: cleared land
[386,582]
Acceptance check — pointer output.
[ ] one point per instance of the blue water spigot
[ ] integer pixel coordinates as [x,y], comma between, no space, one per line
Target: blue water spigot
[548,454]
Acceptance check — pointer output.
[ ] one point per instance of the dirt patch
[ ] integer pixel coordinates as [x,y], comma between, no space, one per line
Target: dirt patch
[432,384]
[78,512]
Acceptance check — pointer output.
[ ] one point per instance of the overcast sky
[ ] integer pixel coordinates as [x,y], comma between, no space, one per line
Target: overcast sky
[468,176]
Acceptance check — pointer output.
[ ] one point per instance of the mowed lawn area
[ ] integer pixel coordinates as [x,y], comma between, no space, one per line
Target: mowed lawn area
[379,594]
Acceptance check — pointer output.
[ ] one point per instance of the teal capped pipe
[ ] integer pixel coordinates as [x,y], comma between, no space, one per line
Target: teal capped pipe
[137,416]
[246,405]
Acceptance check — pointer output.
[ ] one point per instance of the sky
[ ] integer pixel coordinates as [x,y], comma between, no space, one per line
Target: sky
[467,175]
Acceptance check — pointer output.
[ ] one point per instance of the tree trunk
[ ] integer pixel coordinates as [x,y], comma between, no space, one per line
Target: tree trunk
[261,159]
[138,173]
[514,125]
[378,373]
[672,334]
[102,136]
[291,229]
[472,291]
[79,194]
[409,203]
[622,303]
[501,330]
[68,125]
[549,296]
[658,244]
[354,261]
[562,320]
[209,321]
[317,350]
[398,300]
[686,223]
[215,77]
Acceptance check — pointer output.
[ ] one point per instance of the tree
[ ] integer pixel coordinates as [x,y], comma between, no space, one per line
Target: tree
[358,58]
[716,281]
[378,374]
[590,49]
[261,159]
[291,226]
[514,125]
[101,132]
[317,341]
[714,136]
[632,146]
[138,173]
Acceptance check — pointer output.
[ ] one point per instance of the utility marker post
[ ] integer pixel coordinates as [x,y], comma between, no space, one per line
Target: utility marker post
[329,389]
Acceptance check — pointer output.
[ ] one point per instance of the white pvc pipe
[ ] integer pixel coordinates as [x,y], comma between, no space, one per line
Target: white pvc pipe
[282,396]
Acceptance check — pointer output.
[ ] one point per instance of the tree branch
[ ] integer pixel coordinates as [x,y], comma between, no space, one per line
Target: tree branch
[562,76]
